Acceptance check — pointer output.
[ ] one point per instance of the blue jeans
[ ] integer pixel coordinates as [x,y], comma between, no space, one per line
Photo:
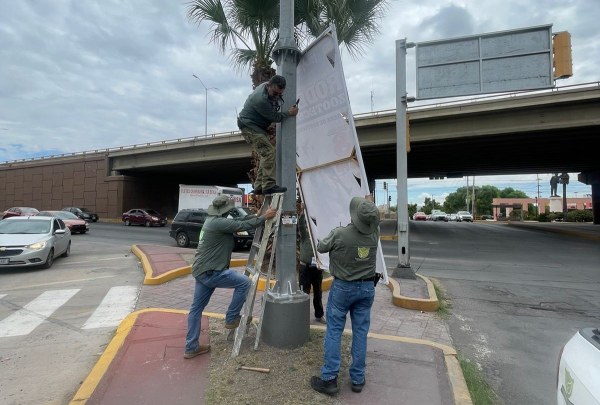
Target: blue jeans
[356,297]
[205,286]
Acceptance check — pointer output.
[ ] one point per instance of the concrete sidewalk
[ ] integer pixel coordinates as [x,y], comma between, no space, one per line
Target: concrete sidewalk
[410,358]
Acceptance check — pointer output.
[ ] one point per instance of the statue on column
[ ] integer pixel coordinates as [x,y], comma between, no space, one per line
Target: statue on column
[553,185]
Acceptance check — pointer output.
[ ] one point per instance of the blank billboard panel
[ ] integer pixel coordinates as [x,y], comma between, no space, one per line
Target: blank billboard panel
[488,63]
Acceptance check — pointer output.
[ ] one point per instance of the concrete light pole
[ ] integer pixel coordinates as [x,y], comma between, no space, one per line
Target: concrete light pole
[286,322]
[206,89]
[403,269]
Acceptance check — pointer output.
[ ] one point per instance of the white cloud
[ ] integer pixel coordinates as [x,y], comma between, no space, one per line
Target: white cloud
[80,75]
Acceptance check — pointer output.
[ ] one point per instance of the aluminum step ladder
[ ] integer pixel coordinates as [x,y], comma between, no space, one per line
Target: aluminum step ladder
[262,236]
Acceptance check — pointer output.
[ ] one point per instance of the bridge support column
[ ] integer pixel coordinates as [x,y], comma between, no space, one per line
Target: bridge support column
[593,179]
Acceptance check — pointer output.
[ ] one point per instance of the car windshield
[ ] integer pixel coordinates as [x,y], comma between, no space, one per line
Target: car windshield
[84,210]
[152,212]
[65,215]
[24,227]
[464,212]
[29,211]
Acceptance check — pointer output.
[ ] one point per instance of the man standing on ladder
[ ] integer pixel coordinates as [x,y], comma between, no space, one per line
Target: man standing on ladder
[211,269]
[260,110]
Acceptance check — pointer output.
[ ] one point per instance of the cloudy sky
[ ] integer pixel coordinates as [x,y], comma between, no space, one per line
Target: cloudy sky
[84,75]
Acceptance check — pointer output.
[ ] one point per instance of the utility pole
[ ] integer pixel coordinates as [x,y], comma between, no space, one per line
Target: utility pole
[286,322]
[473,199]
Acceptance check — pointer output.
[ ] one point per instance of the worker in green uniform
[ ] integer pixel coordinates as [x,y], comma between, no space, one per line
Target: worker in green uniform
[211,269]
[260,110]
[309,274]
[352,261]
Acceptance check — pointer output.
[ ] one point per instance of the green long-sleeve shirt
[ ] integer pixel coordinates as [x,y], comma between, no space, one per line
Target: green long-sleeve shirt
[352,254]
[216,242]
[260,111]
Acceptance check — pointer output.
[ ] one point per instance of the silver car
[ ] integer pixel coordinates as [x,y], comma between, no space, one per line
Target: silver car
[33,241]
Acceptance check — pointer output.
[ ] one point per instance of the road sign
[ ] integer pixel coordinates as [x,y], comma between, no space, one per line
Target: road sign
[512,60]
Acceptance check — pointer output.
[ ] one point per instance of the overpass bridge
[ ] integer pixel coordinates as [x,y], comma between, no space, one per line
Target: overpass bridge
[520,133]
[541,132]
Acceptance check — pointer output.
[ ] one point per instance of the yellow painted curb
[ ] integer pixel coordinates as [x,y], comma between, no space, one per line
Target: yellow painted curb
[430,304]
[149,279]
[388,237]
[88,386]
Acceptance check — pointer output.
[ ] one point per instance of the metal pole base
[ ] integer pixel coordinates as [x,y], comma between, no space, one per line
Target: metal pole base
[403,272]
[286,323]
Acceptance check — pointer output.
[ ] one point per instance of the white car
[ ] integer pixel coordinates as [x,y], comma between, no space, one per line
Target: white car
[464,216]
[578,380]
[33,241]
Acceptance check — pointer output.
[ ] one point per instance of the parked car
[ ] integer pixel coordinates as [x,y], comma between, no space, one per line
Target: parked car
[28,241]
[453,217]
[74,223]
[242,239]
[83,213]
[439,216]
[579,369]
[144,216]
[19,211]
[186,226]
[419,216]
[464,216]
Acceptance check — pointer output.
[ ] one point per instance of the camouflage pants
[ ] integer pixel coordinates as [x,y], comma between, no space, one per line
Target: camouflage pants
[265,175]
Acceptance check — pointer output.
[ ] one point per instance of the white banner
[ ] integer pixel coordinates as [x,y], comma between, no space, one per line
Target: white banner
[329,162]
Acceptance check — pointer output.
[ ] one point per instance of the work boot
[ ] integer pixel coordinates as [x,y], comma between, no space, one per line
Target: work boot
[358,387]
[275,189]
[200,350]
[235,323]
[329,387]
[257,191]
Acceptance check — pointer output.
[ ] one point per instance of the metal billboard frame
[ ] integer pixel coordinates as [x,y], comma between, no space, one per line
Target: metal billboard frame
[503,61]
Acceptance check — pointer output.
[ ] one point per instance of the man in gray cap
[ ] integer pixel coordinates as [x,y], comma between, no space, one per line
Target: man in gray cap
[211,269]
[352,260]
[260,110]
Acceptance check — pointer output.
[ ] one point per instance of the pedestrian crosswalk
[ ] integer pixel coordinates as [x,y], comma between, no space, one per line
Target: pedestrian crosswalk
[116,304]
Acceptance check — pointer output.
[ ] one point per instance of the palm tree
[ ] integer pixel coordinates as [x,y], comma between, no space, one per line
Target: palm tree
[249,29]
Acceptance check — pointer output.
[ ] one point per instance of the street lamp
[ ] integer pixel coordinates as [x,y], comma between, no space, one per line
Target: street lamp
[206,89]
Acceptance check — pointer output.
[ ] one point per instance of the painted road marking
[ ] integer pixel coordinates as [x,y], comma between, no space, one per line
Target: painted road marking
[116,305]
[34,313]
[2,296]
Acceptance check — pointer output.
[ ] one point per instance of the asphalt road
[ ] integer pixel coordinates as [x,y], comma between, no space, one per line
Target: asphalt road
[517,296]
[52,327]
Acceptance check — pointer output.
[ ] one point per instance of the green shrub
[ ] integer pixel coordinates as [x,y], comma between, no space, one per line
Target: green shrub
[544,217]
[580,216]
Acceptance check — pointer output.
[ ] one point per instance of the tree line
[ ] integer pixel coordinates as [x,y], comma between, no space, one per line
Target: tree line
[461,200]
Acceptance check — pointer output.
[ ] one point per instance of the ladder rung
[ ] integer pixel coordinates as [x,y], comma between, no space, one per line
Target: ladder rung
[251,269]
[256,244]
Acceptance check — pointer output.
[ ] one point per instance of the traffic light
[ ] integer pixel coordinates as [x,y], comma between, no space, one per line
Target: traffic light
[389,198]
[563,58]
[385,185]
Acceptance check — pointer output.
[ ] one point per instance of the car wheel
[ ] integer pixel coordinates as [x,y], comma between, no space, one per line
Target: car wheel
[147,223]
[182,240]
[68,251]
[49,259]
[127,223]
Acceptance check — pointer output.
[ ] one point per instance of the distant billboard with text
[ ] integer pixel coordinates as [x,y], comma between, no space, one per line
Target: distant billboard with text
[488,63]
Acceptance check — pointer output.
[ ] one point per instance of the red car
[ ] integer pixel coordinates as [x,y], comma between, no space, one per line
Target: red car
[75,224]
[19,211]
[144,216]
[419,216]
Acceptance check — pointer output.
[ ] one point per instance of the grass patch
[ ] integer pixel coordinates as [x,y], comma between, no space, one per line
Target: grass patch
[481,392]
[444,305]
[287,381]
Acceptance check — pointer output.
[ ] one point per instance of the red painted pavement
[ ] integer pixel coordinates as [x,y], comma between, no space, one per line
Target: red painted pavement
[150,369]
